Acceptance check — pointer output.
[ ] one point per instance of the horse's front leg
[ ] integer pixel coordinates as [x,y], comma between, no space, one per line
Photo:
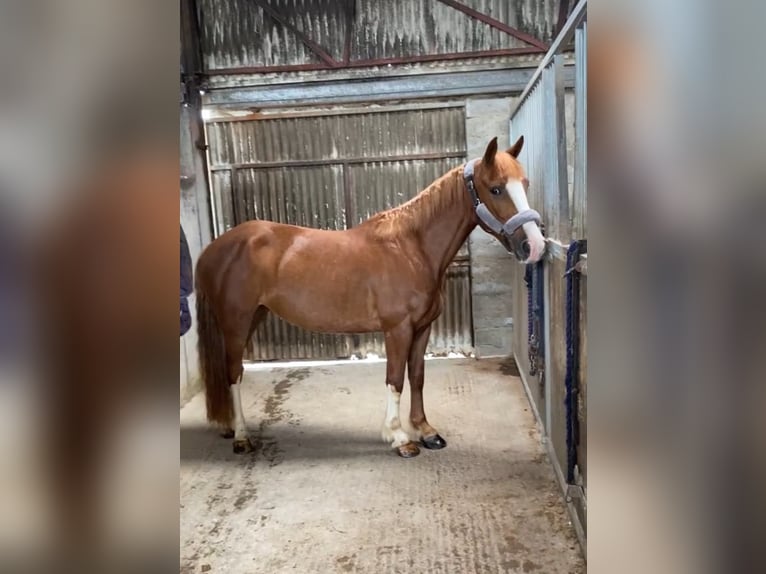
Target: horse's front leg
[398,341]
[427,434]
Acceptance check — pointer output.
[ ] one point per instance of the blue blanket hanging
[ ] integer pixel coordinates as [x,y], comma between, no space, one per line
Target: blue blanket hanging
[187,284]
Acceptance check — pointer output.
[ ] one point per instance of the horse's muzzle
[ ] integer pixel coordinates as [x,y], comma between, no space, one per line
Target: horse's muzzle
[519,248]
[518,243]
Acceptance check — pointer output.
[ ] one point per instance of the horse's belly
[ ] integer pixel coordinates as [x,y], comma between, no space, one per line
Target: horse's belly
[325,315]
[326,306]
[329,283]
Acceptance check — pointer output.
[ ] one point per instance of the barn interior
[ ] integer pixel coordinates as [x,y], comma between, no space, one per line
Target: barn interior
[321,113]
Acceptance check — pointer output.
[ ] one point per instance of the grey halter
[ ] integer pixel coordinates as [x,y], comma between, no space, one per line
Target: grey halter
[504,230]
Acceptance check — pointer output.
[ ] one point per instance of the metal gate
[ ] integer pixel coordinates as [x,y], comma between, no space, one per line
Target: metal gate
[558,390]
[332,169]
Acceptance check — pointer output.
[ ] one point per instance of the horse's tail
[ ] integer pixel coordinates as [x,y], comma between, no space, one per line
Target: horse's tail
[213,366]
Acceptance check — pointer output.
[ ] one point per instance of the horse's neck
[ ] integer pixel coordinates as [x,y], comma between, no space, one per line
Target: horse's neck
[447,225]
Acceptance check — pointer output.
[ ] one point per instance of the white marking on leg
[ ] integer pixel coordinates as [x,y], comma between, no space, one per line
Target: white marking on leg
[240,428]
[392,426]
[515,190]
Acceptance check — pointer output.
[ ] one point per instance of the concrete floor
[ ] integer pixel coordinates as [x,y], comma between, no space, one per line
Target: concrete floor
[323,493]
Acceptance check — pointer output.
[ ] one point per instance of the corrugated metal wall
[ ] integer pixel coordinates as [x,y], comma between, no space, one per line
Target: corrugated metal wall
[238,34]
[332,170]
[399,28]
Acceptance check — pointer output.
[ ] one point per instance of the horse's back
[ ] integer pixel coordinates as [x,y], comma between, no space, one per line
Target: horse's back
[259,246]
[321,280]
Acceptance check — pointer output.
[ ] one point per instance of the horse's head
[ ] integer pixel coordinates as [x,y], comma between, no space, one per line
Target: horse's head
[503,210]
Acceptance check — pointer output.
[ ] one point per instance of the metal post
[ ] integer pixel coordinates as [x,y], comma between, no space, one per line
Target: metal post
[560,164]
[580,203]
[547,345]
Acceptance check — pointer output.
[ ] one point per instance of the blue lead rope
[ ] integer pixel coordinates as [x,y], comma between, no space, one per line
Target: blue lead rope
[572,383]
[533,278]
[530,311]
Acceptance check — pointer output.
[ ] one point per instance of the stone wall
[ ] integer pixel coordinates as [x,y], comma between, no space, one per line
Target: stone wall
[490,262]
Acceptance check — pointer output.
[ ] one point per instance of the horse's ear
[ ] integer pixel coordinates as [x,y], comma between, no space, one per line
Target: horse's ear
[515,149]
[489,154]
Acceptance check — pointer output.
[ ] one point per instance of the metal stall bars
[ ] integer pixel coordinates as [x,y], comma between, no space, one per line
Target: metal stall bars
[555,147]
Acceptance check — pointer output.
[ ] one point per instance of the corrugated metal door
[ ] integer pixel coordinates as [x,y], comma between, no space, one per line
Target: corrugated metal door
[332,170]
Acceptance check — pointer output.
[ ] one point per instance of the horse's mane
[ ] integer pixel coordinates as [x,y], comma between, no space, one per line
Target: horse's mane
[421,209]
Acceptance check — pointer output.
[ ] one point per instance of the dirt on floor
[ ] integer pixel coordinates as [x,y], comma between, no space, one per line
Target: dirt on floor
[322,493]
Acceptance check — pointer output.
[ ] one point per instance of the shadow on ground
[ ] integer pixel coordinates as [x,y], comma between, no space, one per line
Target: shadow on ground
[304,442]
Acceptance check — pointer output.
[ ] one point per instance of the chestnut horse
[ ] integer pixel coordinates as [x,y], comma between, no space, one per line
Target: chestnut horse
[384,275]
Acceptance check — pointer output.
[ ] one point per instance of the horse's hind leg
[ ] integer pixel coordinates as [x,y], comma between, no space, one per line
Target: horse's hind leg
[242,443]
[237,332]
[239,418]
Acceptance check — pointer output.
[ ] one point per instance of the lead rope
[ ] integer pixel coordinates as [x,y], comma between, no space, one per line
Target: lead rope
[530,319]
[533,278]
[572,382]
[539,293]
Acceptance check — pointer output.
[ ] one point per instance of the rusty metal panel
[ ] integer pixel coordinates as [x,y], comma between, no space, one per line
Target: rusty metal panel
[398,28]
[222,202]
[240,34]
[307,196]
[332,171]
[275,339]
[453,330]
[381,185]
[536,17]
[337,137]
[237,33]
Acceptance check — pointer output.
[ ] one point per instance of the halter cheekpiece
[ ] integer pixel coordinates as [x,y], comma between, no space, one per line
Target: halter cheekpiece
[504,230]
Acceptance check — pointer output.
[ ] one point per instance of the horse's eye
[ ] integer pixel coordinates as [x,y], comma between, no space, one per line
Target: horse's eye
[496,190]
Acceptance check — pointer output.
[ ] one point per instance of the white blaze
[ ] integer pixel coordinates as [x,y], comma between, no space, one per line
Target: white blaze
[392,427]
[535,237]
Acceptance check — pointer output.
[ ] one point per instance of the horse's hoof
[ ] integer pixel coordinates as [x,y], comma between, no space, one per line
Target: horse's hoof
[227,433]
[408,450]
[242,446]
[433,442]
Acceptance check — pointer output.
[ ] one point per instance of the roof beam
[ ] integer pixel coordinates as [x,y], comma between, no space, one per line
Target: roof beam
[377,62]
[408,88]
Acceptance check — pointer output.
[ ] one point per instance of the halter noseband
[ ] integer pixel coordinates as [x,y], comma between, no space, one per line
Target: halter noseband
[504,230]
